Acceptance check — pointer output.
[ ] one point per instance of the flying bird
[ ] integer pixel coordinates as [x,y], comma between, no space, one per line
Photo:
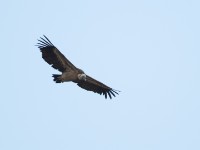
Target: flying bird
[69,72]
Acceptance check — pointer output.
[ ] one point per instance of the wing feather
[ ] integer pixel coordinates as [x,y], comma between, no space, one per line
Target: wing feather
[97,87]
[48,40]
[53,56]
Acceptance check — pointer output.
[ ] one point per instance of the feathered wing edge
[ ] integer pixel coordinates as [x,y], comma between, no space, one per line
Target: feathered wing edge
[44,42]
[53,56]
[97,87]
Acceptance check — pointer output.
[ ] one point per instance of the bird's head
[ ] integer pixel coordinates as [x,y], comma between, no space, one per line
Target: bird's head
[82,77]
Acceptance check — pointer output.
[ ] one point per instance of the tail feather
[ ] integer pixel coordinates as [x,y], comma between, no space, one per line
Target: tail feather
[57,78]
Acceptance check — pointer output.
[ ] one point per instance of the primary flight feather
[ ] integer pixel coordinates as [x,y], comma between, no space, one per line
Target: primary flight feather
[69,72]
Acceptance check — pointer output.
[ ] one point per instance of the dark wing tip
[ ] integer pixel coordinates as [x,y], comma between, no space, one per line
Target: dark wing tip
[44,42]
[111,93]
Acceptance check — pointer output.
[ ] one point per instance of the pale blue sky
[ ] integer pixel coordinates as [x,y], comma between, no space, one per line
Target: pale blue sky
[149,50]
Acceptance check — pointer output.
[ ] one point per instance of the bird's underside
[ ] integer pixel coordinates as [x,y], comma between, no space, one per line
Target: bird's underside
[69,72]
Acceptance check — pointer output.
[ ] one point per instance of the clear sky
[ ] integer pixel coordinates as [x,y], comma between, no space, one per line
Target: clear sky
[147,49]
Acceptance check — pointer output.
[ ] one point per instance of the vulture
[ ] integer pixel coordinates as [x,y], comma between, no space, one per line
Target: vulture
[69,72]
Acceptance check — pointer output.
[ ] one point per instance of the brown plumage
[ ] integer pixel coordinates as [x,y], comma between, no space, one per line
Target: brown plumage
[69,72]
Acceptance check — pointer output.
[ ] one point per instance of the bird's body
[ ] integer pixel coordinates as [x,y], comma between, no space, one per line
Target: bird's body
[69,72]
[67,76]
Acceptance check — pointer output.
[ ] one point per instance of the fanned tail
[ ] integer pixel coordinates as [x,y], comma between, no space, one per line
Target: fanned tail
[57,78]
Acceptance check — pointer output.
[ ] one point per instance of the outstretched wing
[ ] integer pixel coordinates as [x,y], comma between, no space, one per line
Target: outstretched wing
[97,87]
[53,56]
